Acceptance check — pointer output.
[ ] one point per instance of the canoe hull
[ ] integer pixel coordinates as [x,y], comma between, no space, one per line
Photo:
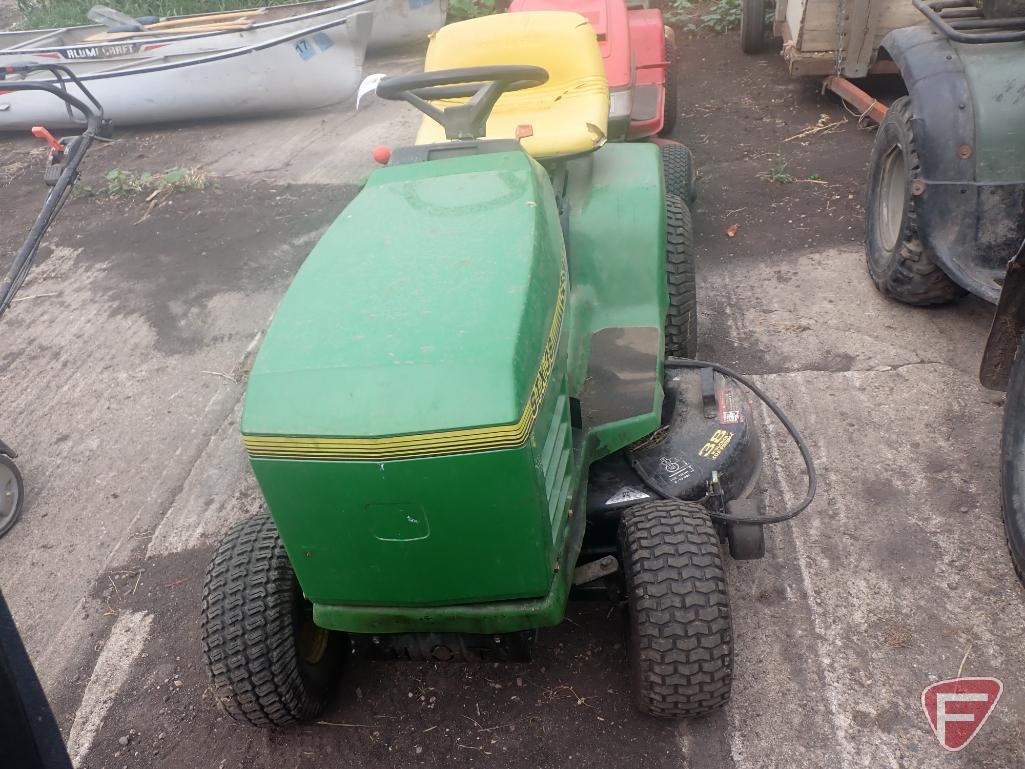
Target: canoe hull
[397,23]
[302,71]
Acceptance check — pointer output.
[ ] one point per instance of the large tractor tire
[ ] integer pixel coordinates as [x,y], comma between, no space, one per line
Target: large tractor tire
[682,315]
[12,494]
[678,170]
[681,631]
[900,264]
[1012,463]
[752,26]
[268,663]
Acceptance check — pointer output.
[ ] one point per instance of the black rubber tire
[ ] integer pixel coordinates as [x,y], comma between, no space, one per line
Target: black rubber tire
[678,170]
[670,107]
[904,270]
[1012,464]
[10,512]
[682,314]
[253,614]
[752,26]
[681,631]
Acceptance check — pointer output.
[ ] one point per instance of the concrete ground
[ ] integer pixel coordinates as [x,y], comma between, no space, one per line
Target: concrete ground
[123,369]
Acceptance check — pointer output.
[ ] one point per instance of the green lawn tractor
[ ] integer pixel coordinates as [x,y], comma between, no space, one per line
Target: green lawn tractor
[464,408]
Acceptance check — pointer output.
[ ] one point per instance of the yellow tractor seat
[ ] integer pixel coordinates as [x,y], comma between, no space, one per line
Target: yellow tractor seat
[568,115]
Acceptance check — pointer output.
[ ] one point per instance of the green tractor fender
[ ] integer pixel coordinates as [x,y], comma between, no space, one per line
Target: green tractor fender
[969,130]
[616,257]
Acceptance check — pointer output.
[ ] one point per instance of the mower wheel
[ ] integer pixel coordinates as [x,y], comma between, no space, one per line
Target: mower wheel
[752,26]
[901,266]
[268,663]
[682,315]
[12,493]
[678,170]
[1012,468]
[681,633]
[670,105]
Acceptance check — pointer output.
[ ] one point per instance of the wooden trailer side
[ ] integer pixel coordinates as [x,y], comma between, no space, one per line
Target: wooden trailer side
[822,33]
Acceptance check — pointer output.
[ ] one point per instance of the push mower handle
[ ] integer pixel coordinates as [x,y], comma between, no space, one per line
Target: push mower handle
[74,150]
[92,117]
[92,110]
[480,86]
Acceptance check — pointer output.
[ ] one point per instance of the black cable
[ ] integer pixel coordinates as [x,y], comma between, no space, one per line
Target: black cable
[809,464]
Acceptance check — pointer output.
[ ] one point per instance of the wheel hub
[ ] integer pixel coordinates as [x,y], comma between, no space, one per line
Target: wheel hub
[8,492]
[891,198]
[312,642]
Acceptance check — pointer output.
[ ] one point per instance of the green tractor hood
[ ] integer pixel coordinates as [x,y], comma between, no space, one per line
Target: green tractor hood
[407,416]
[437,325]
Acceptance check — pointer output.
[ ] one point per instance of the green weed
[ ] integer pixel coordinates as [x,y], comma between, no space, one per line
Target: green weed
[777,172]
[458,10]
[131,183]
[723,16]
[677,11]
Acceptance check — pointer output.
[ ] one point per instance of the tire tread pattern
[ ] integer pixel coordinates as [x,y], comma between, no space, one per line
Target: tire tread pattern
[912,276]
[681,631]
[678,170]
[681,330]
[248,630]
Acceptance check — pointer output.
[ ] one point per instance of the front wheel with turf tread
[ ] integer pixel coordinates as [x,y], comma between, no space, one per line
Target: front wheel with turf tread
[268,663]
[900,264]
[681,328]
[681,630]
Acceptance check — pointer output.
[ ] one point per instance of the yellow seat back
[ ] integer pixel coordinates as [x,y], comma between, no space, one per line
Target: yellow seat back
[567,115]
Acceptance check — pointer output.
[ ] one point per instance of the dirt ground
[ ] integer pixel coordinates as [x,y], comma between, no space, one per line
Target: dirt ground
[123,369]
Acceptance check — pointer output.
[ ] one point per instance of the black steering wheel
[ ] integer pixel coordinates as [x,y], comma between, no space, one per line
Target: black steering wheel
[481,86]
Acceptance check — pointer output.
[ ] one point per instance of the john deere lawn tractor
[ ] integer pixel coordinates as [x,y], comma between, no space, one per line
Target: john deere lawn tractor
[464,409]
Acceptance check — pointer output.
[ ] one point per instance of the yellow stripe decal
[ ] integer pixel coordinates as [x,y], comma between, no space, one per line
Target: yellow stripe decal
[424,444]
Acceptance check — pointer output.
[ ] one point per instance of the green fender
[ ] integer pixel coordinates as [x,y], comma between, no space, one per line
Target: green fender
[969,125]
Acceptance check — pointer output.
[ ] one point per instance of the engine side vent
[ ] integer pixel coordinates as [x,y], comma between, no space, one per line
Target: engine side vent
[555,459]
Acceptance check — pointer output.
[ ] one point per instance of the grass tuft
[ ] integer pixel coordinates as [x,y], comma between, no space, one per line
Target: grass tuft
[125,183]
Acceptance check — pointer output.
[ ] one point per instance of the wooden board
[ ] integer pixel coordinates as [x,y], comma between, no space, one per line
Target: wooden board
[227,26]
[846,32]
[209,18]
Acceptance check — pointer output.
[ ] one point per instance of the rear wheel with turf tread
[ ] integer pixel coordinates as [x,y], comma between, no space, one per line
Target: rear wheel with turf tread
[678,170]
[681,328]
[670,106]
[901,266]
[268,663]
[752,26]
[681,630]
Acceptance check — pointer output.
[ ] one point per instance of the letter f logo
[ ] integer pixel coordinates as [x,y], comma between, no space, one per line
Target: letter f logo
[957,708]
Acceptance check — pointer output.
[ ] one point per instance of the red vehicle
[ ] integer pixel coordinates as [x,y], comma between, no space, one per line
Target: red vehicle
[636,46]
